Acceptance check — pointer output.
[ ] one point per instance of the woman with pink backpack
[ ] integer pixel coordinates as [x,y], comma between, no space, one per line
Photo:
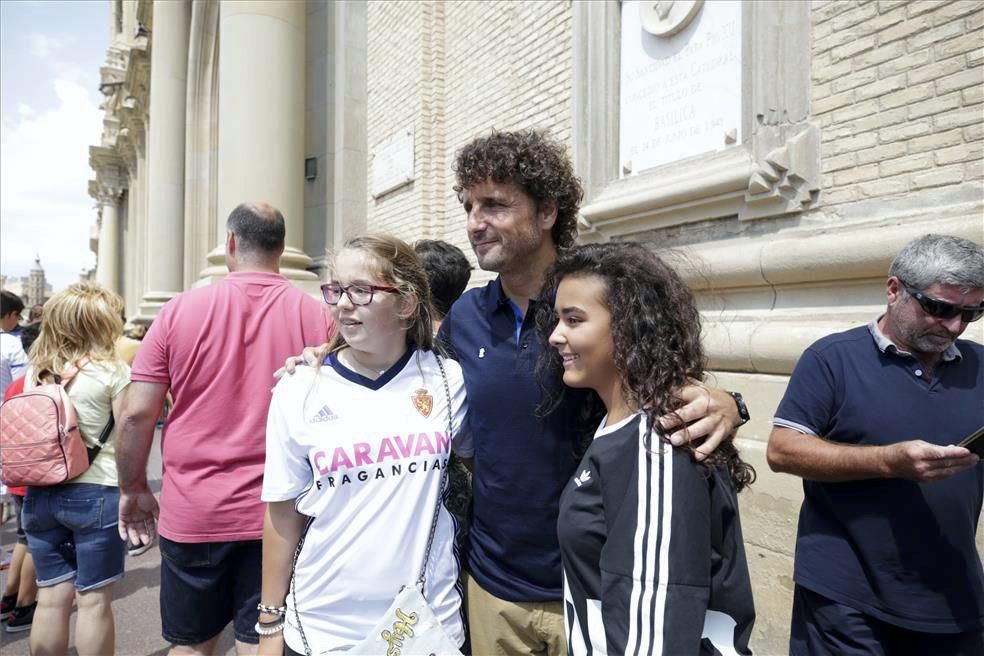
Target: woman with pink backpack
[71,526]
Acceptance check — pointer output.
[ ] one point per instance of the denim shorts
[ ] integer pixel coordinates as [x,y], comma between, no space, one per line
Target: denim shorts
[71,534]
[205,585]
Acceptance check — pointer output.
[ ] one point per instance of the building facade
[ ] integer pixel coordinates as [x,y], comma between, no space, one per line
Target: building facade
[781,152]
[34,288]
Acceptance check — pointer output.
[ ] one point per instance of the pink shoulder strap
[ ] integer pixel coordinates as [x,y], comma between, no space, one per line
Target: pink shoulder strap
[69,375]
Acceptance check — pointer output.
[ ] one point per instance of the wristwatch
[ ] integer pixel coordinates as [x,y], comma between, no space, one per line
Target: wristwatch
[743,416]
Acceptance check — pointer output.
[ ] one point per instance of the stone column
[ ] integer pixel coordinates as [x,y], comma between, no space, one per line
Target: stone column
[134,244]
[166,155]
[261,122]
[350,194]
[201,131]
[135,283]
[108,257]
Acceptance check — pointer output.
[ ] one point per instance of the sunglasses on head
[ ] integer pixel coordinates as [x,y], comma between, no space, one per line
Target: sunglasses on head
[942,309]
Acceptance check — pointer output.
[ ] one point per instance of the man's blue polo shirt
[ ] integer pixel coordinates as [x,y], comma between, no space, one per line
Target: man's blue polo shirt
[522,462]
[899,551]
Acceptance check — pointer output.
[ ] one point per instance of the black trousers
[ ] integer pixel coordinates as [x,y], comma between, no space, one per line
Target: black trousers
[823,627]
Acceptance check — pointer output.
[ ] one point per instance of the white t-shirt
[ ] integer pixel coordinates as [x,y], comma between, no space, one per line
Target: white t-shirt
[13,360]
[92,392]
[364,459]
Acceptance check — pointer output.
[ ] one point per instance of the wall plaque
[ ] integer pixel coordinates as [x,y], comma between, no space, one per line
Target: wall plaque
[392,162]
[680,92]
[667,17]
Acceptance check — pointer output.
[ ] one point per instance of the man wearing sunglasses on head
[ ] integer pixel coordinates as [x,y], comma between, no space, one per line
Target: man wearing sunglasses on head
[885,556]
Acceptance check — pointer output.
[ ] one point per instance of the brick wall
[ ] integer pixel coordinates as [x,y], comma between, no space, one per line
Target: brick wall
[406,88]
[897,88]
[509,67]
[455,70]
[395,72]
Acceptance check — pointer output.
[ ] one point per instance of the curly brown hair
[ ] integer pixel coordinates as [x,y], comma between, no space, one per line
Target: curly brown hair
[533,162]
[655,330]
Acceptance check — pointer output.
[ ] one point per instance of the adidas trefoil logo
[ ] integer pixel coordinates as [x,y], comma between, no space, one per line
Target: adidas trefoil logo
[585,477]
[325,414]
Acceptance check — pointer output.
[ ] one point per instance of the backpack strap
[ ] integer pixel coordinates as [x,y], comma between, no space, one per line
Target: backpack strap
[65,380]
[93,451]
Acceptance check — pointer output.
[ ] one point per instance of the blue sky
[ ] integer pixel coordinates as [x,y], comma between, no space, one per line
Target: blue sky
[50,54]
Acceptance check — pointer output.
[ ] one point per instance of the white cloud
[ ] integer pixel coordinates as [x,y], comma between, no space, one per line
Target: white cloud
[44,171]
[44,45]
[73,71]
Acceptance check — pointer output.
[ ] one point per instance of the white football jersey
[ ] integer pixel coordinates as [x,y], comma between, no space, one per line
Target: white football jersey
[364,459]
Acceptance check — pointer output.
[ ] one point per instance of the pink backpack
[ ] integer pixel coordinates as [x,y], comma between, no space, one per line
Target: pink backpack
[40,441]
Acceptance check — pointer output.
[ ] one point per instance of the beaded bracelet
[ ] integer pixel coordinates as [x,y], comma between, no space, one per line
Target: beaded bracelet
[280,611]
[269,628]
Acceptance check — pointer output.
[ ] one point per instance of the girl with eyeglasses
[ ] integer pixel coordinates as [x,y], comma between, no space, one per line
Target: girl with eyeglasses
[356,452]
[650,537]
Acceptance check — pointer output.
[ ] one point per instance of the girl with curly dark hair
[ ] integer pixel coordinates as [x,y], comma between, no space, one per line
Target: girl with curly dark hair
[650,537]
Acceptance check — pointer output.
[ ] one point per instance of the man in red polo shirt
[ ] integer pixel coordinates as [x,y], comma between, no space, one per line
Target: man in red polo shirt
[214,348]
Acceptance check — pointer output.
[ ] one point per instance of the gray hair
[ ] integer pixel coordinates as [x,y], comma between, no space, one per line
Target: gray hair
[940,259]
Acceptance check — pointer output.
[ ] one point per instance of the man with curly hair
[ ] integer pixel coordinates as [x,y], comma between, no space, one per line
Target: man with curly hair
[521,198]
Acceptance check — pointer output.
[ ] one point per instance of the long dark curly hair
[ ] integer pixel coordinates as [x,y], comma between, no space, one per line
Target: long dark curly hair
[533,162]
[655,330]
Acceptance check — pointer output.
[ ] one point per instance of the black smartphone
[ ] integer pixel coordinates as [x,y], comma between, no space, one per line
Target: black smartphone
[975,442]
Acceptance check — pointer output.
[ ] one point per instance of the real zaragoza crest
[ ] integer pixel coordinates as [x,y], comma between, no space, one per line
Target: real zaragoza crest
[423,402]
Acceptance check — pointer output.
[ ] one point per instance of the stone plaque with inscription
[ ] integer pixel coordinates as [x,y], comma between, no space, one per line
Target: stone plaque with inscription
[392,162]
[680,91]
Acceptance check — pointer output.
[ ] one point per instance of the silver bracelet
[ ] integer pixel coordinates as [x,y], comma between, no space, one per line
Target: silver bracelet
[269,630]
[280,611]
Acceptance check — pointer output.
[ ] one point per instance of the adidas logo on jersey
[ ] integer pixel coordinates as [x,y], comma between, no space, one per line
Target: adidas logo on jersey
[325,414]
[585,477]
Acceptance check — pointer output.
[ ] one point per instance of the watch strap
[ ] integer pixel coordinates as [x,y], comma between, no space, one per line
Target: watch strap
[743,415]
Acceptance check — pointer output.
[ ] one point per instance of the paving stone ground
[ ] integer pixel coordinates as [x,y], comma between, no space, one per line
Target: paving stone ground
[136,606]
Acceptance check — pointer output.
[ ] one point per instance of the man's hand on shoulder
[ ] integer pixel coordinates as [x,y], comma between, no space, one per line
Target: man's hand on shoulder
[311,355]
[920,461]
[708,413]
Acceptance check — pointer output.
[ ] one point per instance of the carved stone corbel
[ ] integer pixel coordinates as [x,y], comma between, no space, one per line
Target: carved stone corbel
[111,175]
[787,181]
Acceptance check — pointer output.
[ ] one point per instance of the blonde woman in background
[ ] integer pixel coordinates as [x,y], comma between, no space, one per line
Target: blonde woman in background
[71,528]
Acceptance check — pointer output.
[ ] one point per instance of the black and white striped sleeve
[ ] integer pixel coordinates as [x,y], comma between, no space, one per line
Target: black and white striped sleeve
[670,547]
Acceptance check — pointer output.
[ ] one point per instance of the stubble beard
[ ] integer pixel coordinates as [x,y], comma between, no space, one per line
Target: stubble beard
[930,343]
[517,254]
[921,341]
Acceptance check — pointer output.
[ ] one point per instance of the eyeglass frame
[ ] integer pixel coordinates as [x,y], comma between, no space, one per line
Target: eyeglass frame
[345,290]
[942,309]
